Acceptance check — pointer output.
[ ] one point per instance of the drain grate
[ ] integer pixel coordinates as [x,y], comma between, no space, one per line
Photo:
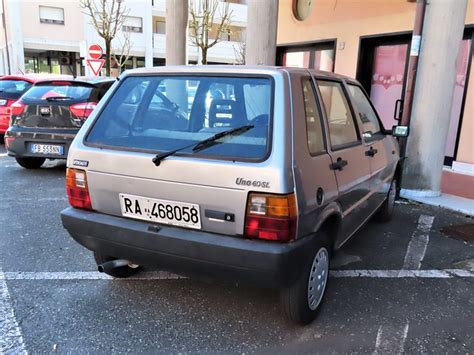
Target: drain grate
[463,232]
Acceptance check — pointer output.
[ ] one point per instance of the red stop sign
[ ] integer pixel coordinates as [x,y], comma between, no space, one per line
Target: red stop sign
[95,51]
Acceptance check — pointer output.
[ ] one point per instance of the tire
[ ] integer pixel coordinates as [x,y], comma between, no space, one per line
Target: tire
[300,303]
[30,163]
[385,212]
[120,272]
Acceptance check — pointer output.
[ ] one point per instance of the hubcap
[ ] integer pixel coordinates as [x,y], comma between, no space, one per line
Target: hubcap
[318,277]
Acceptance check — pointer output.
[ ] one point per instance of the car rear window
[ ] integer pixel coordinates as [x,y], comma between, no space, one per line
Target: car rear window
[13,89]
[163,113]
[58,90]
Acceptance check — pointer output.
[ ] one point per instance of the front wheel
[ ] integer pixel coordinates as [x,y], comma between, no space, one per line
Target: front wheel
[385,212]
[119,272]
[30,163]
[301,301]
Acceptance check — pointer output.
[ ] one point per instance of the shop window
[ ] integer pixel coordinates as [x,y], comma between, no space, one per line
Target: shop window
[318,56]
[132,24]
[53,15]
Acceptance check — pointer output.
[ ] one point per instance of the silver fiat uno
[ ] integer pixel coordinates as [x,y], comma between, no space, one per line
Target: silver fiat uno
[250,174]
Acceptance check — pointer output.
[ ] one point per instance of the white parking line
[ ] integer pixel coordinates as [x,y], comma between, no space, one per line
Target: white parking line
[11,340]
[391,339]
[86,275]
[419,242]
[161,275]
[3,154]
[403,274]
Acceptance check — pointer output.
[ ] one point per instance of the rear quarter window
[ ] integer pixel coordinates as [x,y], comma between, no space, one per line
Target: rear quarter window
[162,113]
[13,89]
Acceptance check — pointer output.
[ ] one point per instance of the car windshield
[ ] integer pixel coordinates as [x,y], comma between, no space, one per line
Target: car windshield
[13,89]
[163,113]
[58,91]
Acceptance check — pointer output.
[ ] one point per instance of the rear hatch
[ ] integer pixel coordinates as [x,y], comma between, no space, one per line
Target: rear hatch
[57,104]
[205,188]
[10,91]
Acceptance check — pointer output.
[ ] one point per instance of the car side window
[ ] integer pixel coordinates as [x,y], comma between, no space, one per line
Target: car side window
[370,122]
[342,126]
[314,128]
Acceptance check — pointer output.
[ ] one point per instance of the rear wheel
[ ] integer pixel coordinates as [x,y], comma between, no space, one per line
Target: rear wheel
[119,272]
[385,212]
[30,163]
[302,301]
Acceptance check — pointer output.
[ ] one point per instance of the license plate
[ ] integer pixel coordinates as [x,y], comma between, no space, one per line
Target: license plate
[175,213]
[44,110]
[46,149]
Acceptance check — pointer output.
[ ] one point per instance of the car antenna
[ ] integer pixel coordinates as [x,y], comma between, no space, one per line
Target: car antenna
[74,74]
[21,71]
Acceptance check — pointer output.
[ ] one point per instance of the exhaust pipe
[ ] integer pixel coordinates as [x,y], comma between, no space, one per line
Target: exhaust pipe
[109,266]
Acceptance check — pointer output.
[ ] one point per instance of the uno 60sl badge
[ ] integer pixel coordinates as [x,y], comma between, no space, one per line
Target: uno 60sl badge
[254,183]
[83,163]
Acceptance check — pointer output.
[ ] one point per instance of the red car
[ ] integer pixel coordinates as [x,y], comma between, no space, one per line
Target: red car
[12,87]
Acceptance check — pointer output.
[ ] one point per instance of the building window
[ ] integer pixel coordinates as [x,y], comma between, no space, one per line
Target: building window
[160,27]
[53,15]
[132,24]
[319,56]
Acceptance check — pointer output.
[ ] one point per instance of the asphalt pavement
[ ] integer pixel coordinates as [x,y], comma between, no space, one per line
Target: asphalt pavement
[403,286]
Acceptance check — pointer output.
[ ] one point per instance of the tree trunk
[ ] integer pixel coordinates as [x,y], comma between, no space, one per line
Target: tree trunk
[107,56]
[204,56]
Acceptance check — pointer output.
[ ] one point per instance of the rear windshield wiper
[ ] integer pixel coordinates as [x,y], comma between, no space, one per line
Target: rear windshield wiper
[58,98]
[204,144]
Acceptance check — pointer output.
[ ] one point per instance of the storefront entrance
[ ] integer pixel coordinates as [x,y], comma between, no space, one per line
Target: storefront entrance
[382,68]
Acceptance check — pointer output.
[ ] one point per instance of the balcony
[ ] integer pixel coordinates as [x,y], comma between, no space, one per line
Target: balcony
[222,52]
[239,11]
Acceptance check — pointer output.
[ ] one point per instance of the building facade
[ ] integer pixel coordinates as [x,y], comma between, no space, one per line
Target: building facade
[41,36]
[370,40]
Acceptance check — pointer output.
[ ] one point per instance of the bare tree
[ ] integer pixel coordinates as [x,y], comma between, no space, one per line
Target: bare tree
[121,53]
[107,17]
[204,15]
[239,50]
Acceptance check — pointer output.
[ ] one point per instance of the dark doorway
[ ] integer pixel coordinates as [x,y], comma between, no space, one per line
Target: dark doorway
[382,68]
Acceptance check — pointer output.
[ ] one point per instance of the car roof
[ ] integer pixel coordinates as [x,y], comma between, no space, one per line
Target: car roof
[232,69]
[86,80]
[33,78]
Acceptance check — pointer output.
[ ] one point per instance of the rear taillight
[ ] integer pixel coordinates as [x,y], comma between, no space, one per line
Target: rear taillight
[77,190]
[271,217]
[83,109]
[17,108]
[8,140]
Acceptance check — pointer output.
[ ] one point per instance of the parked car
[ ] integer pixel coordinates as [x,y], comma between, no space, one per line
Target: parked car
[11,88]
[260,188]
[47,117]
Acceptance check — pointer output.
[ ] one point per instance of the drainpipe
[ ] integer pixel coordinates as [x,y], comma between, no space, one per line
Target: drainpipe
[412,68]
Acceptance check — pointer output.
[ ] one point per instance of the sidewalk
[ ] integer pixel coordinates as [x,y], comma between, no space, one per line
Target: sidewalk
[457,193]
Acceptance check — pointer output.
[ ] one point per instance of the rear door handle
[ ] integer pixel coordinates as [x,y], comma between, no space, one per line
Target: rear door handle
[339,164]
[371,152]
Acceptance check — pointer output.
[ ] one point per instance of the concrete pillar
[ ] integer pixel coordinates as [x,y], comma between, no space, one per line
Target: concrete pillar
[176,32]
[148,32]
[442,34]
[15,37]
[262,22]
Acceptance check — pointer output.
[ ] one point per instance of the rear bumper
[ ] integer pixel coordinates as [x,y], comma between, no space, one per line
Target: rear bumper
[22,138]
[189,252]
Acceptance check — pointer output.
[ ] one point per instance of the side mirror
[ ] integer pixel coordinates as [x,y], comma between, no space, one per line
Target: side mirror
[400,131]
